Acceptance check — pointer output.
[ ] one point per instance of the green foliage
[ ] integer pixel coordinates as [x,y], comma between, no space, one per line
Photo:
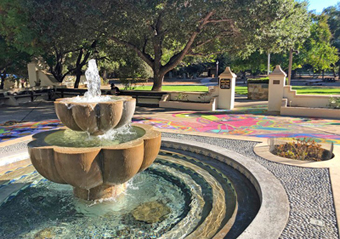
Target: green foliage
[301,149]
[317,50]
[289,30]
[12,61]
[334,103]
[259,80]
[53,29]
[203,97]
[162,33]
[182,97]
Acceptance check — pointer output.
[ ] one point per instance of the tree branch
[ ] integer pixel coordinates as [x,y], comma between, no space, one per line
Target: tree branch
[146,57]
[202,54]
[231,22]
[175,59]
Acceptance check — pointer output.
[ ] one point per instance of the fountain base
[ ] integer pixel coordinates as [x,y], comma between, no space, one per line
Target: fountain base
[100,192]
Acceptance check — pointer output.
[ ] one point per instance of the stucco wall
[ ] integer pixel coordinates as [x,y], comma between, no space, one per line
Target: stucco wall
[313,101]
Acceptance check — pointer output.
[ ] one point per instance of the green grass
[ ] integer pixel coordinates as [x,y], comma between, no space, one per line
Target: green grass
[176,88]
[242,90]
[320,90]
[317,90]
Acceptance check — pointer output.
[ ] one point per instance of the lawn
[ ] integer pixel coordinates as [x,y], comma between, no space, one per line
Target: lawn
[320,90]
[317,90]
[190,88]
[176,88]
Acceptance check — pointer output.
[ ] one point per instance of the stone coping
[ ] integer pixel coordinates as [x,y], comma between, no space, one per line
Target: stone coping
[274,201]
[333,165]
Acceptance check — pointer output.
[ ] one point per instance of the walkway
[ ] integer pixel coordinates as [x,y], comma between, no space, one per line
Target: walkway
[313,195]
[247,121]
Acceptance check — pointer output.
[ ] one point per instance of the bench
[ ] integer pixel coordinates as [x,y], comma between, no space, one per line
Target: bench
[19,97]
[313,82]
[329,79]
[143,98]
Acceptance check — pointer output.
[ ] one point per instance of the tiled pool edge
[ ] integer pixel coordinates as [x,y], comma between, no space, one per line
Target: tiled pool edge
[274,200]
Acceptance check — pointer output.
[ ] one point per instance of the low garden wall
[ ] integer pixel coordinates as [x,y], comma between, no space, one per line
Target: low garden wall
[189,100]
[315,101]
[257,90]
[294,104]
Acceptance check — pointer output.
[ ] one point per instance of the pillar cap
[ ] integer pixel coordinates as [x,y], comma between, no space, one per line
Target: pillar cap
[227,73]
[278,71]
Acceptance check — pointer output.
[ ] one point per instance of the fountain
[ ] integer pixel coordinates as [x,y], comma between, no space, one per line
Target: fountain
[125,185]
[100,153]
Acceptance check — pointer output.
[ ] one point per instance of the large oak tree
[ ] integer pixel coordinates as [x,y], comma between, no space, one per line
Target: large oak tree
[193,27]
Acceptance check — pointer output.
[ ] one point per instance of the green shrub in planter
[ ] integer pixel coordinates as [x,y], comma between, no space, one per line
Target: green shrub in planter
[334,103]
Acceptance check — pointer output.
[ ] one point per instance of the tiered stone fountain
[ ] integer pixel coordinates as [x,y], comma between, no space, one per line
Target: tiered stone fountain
[86,157]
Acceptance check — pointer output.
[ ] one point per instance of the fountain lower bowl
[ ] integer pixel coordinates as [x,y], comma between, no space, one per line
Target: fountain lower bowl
[95,172]
[179,196]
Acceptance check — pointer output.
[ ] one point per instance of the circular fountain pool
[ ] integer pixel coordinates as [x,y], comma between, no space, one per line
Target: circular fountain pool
[181,195]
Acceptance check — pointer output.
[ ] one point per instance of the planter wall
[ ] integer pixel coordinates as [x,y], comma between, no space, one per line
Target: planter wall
[258,91]
[166,102]
[314,101]
[310,112]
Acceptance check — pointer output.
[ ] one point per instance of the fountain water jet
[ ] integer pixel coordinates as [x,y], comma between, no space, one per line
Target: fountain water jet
[99,171]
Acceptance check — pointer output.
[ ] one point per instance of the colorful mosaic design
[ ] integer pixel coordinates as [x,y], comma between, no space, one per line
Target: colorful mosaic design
[12,130]
[242,121]
[246,124]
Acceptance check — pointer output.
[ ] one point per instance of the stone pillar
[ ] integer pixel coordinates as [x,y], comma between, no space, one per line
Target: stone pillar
[277,81]
[226,91]
[32,73]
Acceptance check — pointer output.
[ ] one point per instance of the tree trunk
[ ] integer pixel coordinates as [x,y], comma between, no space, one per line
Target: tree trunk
[104,75]
[81,62]
[293,74]
[78,76]
[3,78]
[268,64]
[57,70]
[290,66]
[2,82]
[158,81]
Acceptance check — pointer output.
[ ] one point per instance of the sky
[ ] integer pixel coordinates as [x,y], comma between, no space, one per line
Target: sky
[319,5]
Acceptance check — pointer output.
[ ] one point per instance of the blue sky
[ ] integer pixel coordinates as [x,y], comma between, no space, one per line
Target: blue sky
[319,5]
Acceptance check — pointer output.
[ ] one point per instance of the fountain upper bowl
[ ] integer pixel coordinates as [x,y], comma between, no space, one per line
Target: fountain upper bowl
[95,117]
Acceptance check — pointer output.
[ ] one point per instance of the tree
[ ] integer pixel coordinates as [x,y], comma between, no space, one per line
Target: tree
[53,29]
[333,14]
[318,50]
[11,60]
[192,27]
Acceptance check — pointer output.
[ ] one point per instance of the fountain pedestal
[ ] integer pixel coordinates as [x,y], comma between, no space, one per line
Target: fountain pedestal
[100,192]
[99,171]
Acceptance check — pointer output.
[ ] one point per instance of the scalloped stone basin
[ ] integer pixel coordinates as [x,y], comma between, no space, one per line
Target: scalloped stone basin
[95,117]
[95,172]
